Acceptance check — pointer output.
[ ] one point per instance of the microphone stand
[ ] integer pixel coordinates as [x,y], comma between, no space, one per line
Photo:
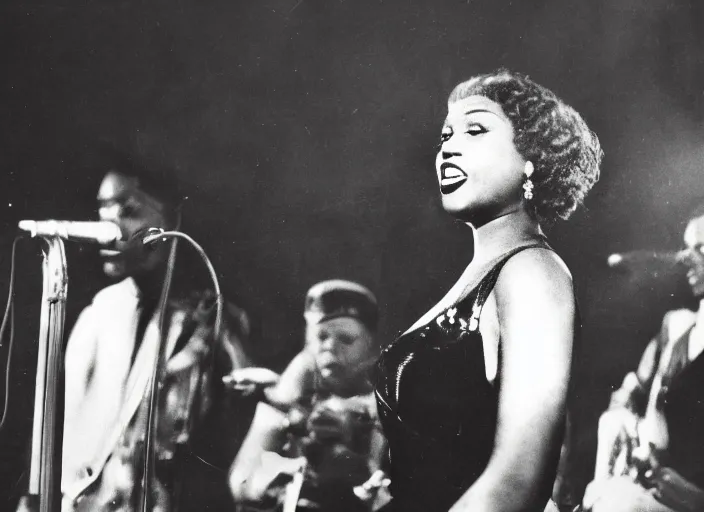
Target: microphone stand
[47,431]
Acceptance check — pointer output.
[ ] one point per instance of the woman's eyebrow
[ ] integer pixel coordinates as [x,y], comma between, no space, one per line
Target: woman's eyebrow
[478,110]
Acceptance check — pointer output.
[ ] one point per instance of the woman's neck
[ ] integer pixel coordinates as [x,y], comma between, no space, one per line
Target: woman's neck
[504,233]
[492,240]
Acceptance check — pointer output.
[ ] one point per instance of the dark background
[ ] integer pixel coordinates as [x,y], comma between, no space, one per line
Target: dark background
[304,130]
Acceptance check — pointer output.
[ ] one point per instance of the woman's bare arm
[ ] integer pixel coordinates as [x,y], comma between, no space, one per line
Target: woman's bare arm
[536,311]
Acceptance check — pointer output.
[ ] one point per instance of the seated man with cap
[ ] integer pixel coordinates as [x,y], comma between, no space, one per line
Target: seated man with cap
[315,437]
[651,439]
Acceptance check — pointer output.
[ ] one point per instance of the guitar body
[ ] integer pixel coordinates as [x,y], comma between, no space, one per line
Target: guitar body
[629,443]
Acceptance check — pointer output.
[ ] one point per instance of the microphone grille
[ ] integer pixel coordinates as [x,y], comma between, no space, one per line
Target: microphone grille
[614,260]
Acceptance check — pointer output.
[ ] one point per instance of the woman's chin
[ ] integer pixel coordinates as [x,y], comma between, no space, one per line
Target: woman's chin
[459,209]
[476,213]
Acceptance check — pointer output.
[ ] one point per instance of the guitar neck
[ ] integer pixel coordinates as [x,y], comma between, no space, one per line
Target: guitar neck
[293,490]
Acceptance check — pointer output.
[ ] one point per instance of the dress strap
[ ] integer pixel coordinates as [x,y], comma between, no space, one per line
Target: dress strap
[486,285]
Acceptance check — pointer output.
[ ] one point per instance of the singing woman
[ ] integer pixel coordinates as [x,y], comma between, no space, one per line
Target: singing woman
[473,397]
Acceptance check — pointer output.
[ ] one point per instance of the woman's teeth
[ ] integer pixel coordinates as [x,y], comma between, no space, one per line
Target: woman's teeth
[452,179]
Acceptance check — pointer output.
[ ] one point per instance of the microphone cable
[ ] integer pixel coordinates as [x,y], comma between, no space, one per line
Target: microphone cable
[159,235]
[9,313]
[149,470]
[151,238]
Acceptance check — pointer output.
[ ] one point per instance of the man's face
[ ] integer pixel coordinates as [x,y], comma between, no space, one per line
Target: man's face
[694,239]
[120,200]
[342,348]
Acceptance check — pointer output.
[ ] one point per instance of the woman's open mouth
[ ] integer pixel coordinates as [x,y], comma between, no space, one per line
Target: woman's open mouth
[451,178]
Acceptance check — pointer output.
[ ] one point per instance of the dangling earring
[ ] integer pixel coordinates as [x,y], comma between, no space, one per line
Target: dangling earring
[528,183]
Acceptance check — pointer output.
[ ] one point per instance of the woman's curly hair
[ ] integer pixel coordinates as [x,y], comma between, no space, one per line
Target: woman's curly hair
[566,154]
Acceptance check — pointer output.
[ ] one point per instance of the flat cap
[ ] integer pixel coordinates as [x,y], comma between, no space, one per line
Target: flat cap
[339,298]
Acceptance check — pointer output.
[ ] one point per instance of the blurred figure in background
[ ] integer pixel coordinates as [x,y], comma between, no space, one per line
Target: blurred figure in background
[650,454]
[111,353]
[315,437]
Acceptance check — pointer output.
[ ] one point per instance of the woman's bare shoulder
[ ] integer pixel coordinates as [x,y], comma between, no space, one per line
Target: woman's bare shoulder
[536,272]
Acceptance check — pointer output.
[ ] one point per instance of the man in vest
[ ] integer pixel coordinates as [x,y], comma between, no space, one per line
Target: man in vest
[111,355]
[651,439]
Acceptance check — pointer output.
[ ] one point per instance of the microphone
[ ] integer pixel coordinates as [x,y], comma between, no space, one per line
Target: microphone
[101,232]
[645,258]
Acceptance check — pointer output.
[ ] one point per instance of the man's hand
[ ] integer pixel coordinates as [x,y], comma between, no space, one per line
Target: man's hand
[375,490]
[28,504]
[620,494]
[676,492]
[249,380]
[627,395]
[268,481]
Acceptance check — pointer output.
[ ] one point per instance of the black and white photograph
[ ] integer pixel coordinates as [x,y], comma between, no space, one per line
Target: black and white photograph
[352,256]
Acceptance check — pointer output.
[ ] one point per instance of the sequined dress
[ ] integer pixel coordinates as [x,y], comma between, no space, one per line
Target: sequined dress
[438,409]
